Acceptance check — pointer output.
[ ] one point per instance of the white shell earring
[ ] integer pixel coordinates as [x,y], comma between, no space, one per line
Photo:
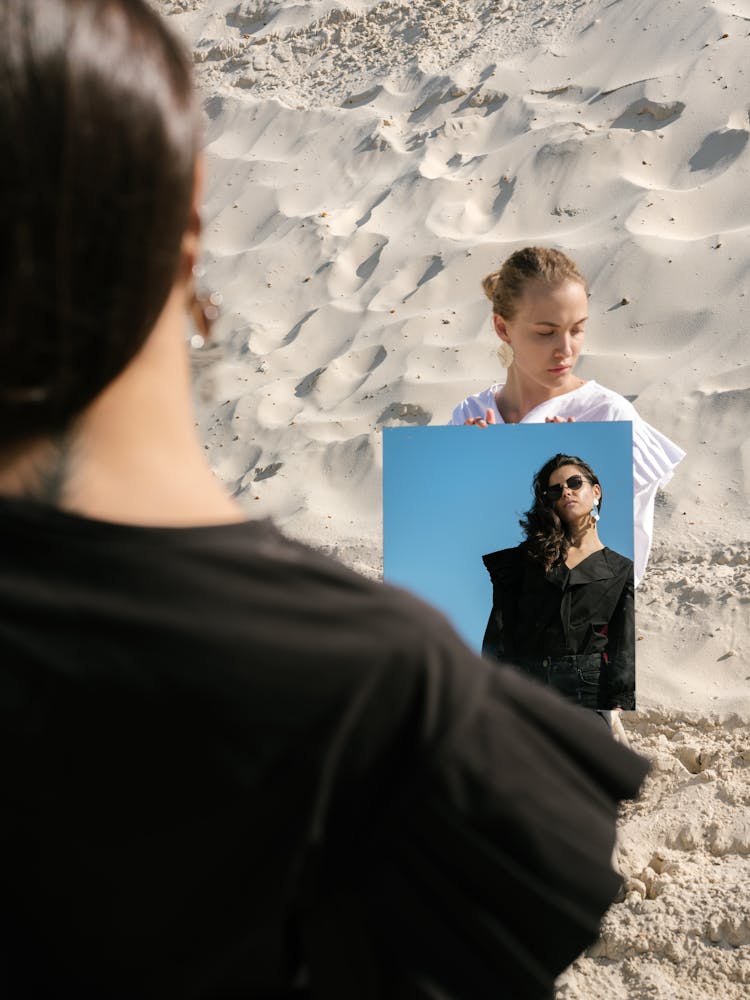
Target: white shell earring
[595,511]
[203,309]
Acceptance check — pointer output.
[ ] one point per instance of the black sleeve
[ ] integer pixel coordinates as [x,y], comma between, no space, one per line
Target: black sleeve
[504,568]
[620,669]
[490,867]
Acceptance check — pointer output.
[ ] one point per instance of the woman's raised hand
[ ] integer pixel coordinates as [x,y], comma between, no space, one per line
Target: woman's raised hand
[488,418]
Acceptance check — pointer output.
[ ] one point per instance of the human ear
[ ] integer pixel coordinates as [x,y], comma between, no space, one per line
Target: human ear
[500,328]
[192,236]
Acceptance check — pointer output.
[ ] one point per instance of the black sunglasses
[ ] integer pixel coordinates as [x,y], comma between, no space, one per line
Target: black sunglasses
[573,483]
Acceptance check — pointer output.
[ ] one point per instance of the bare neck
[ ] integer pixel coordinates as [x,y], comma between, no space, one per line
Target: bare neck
[583,540]
[133,455]
[519,396]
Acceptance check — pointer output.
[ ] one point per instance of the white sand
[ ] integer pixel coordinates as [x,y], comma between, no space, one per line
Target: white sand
[368,163]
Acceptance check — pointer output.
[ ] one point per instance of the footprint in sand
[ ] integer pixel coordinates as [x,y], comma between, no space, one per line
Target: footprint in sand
[404,413]
[644,115]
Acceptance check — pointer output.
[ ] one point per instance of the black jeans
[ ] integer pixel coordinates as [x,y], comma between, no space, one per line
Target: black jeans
[577,676]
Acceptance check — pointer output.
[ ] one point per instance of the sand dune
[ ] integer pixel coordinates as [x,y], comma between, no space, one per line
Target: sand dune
[368,163]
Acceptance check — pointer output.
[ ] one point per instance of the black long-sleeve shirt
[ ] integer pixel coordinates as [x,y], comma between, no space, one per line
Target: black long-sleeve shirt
[585,610]
[233,768]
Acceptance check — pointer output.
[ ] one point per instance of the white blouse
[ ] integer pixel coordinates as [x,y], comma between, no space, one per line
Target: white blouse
[655,457]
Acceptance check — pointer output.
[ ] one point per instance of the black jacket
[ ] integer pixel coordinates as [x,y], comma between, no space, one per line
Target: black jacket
[567,612]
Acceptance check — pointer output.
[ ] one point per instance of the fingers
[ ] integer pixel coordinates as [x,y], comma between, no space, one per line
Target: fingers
[559,420]
[488,418]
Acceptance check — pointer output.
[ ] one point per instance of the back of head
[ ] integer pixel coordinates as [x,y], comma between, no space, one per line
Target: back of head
[505,286]
[96,185]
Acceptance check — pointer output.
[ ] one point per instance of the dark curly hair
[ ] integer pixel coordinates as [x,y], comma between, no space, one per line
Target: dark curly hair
[546,536]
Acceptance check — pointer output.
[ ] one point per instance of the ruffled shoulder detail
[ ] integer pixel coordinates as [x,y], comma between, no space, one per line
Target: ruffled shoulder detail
[655,457]
[505,565]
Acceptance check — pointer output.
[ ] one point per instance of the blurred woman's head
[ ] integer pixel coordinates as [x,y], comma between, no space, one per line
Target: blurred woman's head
[566,490]
[96,193]
[539,306]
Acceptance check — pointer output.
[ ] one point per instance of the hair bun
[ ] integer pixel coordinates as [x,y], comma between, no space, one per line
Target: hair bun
[489,284]
[505,286]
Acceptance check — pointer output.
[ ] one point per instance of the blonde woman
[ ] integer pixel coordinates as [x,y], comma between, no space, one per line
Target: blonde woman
[539,311]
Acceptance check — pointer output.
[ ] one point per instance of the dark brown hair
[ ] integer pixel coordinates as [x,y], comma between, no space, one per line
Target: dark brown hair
[546,538]
[505,286]
[96,180]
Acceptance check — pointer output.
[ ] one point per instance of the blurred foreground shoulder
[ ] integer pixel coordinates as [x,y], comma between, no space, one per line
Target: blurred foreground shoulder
[488,866]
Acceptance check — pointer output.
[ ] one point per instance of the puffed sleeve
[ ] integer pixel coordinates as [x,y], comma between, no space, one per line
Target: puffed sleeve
[504,568]
[655,458]
[620,670]
[492,868]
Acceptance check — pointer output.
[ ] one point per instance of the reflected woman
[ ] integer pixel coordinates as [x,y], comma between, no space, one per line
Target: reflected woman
[562,601]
